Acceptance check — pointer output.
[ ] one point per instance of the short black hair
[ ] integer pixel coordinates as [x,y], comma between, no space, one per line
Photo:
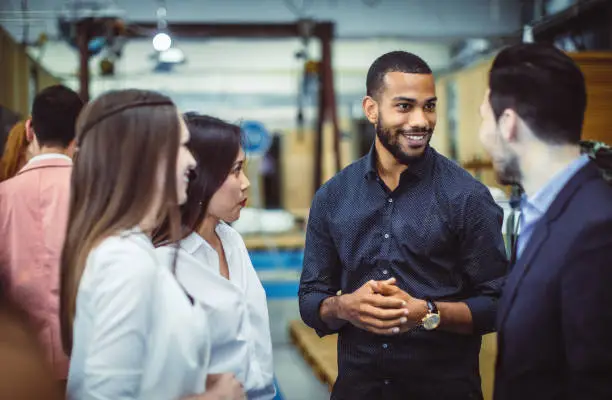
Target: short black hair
[544,86]
[215,144]
[54,114]
[395,61]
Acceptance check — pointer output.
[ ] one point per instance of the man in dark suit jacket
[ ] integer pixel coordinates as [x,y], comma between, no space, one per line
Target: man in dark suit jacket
[554,319]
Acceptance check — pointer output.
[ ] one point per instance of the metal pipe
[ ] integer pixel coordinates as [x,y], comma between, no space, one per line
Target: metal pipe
[329,92]
[83,37]
[557,22]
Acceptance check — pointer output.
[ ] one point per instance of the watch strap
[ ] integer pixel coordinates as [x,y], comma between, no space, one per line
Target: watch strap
[431,307]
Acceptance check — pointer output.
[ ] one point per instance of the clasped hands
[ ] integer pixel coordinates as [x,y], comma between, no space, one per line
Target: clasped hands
[381,307]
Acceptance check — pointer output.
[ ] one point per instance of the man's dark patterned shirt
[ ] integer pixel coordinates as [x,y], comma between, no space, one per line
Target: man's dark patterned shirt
[439,234]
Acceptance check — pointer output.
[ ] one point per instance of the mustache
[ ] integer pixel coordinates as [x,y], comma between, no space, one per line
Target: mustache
[427,131]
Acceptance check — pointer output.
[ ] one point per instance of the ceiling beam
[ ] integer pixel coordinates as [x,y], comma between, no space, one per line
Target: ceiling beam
[324,31]
[565,20]
[233,30]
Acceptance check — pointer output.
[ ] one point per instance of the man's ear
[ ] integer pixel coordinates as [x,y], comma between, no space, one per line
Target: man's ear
[71,149]
[508,125]
[29,130]
[370,109]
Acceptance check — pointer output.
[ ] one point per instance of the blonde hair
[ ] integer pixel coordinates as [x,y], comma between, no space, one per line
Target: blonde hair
[15,151]
[122,137]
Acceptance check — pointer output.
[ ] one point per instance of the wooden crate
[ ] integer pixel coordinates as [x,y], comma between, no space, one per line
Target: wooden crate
[319,353]
[287,240]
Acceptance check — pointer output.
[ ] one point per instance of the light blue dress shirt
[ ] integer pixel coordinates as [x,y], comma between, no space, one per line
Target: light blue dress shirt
[532,209]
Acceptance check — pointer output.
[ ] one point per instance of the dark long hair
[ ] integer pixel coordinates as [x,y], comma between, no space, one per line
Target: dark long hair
[215,145]
[122,138]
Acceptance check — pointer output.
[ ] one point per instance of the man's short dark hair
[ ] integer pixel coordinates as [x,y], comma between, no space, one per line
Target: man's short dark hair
[54,114]
[395,61]
[544,86]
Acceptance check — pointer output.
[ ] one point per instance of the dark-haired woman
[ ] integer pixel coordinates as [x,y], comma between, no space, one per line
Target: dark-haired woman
[213,263]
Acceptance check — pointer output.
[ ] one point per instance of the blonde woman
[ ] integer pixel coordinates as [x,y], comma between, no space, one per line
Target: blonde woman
[132,330]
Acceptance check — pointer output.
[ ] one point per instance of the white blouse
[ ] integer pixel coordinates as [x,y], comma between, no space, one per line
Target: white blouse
[237,308]
[136,335]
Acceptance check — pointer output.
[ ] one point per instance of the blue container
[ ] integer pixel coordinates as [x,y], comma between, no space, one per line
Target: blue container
[279,271]
[281,259]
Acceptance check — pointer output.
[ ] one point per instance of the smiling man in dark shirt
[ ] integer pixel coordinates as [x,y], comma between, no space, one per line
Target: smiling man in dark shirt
[414,244]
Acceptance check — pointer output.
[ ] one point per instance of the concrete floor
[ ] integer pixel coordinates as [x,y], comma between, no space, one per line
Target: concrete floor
[294,376]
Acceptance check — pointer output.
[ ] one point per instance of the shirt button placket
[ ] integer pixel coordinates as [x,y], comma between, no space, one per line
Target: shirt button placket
[389,217]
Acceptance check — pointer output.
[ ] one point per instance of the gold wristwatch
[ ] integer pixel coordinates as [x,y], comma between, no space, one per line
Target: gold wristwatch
[431,320]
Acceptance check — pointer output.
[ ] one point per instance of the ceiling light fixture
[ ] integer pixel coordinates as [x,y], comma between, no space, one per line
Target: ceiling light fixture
[162,42]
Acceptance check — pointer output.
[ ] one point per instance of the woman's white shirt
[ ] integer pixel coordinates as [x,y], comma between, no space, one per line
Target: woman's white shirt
[136,335]
[237,308]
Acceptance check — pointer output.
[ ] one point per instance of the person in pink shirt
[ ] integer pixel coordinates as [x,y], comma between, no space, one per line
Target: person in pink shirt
[33,218]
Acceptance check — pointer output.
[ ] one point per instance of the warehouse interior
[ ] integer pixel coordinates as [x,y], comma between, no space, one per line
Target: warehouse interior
[292,72]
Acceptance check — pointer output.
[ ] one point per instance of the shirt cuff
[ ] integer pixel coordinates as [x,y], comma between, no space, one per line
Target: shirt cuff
[266,393]
[484,311]
[310,306]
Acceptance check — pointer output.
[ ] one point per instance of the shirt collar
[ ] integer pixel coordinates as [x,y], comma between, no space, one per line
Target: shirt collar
[50,156]
[194,241]
[544,197]
[419,168]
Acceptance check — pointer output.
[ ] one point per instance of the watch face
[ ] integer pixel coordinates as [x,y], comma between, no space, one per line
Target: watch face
[431,321]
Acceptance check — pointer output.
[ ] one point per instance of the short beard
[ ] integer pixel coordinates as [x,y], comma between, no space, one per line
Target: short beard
[391,142]
[510,172]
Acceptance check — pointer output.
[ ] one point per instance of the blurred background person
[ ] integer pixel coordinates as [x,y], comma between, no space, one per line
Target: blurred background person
[33,215]
[18,150]
[24,372]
